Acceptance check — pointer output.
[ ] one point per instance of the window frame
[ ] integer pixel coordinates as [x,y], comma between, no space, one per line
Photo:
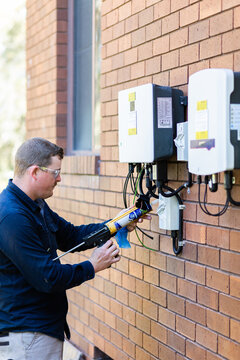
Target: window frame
[70,85]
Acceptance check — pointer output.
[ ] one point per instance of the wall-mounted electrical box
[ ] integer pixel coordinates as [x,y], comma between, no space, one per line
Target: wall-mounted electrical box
[148,115]
[168,212]
[213,121]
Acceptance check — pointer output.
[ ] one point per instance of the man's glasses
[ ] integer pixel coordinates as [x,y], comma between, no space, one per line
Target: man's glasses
[52,171]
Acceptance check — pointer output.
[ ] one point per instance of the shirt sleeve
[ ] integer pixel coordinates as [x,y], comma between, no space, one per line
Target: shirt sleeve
[20,242]
[69,236]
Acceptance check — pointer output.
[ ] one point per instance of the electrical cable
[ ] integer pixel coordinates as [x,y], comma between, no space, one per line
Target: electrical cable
[228,187]
[204,206]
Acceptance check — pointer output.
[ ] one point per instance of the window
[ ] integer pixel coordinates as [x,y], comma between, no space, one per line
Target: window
[84,67]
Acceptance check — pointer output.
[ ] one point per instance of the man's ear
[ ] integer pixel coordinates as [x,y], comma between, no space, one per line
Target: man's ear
[33,171]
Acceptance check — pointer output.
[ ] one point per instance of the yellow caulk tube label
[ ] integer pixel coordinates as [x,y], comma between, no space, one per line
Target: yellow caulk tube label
[124,219]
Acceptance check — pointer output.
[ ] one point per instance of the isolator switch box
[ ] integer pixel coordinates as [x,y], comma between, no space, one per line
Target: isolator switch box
[168,212]
[213,121]
[181,141]
[148,115]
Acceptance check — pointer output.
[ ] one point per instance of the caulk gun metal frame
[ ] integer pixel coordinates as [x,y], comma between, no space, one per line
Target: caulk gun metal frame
[99,237]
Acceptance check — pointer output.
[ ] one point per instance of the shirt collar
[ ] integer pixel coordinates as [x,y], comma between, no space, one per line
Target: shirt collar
[33,205]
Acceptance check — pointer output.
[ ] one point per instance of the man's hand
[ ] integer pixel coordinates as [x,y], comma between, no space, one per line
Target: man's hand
[133,225]
[104,256]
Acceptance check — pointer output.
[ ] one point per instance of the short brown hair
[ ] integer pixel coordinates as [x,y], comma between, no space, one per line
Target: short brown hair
[35,151]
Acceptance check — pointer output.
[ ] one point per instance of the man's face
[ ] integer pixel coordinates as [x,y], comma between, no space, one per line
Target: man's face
[47,180]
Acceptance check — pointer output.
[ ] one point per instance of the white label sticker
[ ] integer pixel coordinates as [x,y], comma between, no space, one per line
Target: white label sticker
[164,112]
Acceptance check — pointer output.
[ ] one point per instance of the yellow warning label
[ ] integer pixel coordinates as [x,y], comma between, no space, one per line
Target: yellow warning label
[132,131]
[201,135]
[202,105]
[132,96]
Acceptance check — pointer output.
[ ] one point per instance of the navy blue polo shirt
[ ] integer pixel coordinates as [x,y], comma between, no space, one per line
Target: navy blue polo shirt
[32,285]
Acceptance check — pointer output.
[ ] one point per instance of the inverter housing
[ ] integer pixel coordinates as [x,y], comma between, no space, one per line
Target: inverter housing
[213,121]
[148,115]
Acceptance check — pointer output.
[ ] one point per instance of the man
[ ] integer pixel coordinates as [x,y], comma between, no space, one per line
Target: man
[33,303]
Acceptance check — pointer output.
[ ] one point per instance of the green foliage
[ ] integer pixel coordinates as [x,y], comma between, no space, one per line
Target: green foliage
[12,86]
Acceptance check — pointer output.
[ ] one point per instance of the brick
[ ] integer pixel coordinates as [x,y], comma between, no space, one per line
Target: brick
[129,315]
[207,297]
[135,302]
[218,322]
[122,295]
[195,272]
[234,330]
[143,323]
[135,335]
[217,280]
[166,317]
[142,354]
[235,286]
[210,47]
[234,240]
[196,232]
[230,41]
[150,309]
[142,289]
[158,331]
[229,4]
[161,45]
[194,351]
[199,31]
[124,11]
[189,54]
[206,338]
[176,304]
[137,70]
[138,5]
[189,15]
[129,347]
[208,256]
[151,275]
[158,260]
[138,37]
[153,30]
[221,23]
[228,348]
[165,353]
[178,4]
[131,23]
[185,327]
[209,7]
[168,282]
[170,60]
[229,306]
[176,341]
[230,261]
[146,16]
[187,289]
[124,43]
[178,38]
[218,237]
[150,344]
[161,9]
[145,51]
[153,65]
[136,269]
[170,23]
[116,307]
[158,295]
[128,282]
[196,313]
[175,266]
[122,327]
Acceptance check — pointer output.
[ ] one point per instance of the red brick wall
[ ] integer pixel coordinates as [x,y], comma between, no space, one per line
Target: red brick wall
[151,305]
